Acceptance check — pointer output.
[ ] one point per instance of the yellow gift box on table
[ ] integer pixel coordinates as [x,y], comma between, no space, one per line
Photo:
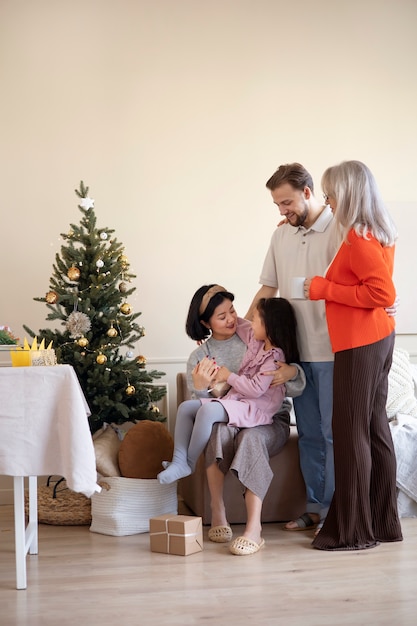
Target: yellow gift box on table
[176,534]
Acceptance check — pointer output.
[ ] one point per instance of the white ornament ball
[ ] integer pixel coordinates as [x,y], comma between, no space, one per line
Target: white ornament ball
[99,263]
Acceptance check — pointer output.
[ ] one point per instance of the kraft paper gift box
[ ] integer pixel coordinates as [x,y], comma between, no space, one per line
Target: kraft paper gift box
[176,534]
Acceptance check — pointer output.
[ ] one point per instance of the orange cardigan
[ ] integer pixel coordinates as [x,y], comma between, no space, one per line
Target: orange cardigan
[357,288]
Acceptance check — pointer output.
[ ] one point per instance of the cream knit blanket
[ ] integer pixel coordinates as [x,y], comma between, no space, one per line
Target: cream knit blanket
[401,391]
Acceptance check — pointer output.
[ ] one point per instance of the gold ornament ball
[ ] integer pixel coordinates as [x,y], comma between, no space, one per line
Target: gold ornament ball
[101,359]
[124,261]
[130,390]
[141,360]
[82,342]
[51,297]
[73,273]
[125,308]
[112,332]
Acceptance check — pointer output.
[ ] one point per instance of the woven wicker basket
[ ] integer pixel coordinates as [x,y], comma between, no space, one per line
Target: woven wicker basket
[59,506]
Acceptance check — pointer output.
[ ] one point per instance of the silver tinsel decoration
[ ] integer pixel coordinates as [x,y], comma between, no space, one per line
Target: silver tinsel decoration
[78,324]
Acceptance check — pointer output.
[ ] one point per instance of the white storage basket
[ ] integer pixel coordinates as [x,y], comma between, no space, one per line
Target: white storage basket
[125,505]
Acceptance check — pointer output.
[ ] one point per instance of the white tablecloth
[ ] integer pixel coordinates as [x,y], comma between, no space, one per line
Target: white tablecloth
[44,428]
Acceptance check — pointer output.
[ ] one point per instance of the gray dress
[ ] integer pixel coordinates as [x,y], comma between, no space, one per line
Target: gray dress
[245,451]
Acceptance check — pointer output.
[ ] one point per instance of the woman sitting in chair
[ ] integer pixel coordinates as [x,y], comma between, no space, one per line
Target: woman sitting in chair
[213,320]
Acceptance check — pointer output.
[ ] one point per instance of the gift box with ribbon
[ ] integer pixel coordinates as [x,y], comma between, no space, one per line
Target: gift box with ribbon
[176,534]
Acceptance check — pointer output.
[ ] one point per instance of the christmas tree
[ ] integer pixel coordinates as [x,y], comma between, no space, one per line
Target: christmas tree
[88,293]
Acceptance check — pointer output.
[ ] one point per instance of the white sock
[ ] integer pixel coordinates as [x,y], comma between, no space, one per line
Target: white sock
[174,472]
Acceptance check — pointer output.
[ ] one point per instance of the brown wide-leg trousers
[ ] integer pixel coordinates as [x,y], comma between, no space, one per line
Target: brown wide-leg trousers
[363,511]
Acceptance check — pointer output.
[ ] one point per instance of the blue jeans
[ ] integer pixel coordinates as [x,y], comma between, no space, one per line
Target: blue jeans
[313,412]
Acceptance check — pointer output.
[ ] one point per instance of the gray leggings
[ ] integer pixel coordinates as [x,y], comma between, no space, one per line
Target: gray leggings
[193,429]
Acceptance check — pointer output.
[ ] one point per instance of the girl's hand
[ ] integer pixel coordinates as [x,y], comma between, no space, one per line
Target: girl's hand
[282,374]
[222,375]
[203,373]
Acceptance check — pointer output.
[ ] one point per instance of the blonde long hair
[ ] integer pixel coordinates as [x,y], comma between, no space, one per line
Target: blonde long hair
[359,203]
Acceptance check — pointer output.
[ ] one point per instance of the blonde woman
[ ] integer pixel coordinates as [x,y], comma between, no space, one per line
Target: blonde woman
[357,289]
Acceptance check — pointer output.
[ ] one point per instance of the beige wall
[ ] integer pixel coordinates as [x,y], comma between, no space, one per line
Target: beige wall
[175,113]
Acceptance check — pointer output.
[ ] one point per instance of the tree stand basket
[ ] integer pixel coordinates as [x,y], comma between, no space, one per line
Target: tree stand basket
[59,506]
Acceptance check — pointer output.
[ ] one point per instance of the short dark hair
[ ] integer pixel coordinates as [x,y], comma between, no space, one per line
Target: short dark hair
[193,326]
[280,326]
[292,173]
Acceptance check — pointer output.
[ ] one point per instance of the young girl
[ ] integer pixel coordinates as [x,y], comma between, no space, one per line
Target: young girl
[251,401]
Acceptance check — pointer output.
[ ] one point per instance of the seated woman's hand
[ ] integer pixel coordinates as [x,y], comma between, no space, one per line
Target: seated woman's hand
[203,373]
[282,374]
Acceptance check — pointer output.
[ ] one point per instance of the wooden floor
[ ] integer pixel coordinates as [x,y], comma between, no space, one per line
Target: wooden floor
[84,578]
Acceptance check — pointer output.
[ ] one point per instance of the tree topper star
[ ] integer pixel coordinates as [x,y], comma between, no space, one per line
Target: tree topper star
[87,203]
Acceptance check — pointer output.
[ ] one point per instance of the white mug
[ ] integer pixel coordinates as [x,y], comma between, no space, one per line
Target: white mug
[297,287]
